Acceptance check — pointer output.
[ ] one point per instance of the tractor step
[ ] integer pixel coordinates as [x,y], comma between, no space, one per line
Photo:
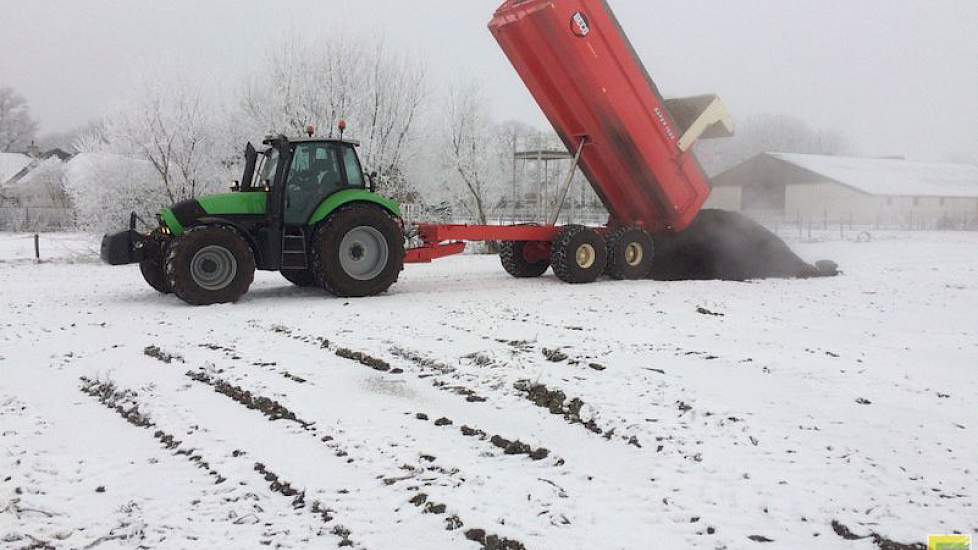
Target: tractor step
[294,254]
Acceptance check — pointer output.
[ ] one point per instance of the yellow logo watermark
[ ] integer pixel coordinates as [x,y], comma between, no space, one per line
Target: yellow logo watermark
[949,542]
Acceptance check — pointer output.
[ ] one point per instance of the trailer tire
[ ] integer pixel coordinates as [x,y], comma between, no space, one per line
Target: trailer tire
[630,254]
[579,255]
[210,265]
[151,266]
[358,251]
[512,254]
[300,277]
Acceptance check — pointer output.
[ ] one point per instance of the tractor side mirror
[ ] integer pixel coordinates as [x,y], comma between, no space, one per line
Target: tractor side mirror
[372,178]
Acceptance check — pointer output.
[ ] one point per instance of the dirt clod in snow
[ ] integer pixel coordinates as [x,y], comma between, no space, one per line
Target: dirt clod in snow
[443,422]
[519,448]
[493,542]
[364,359]
[760,538]
[882,542]
[156,353]
[554,355]
[703,311]
[554,401]
[729,246]
[468,431]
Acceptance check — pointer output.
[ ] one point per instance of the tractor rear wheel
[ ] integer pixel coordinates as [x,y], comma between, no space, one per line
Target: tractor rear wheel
[523,260]
[300,277]
[630,254]
[358,251]
[579,255]
[154,254]
[210,265]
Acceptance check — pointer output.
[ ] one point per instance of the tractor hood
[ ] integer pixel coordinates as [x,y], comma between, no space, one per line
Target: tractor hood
[188,213]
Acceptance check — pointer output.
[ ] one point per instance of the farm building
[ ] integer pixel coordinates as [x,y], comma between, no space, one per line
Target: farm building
[855,191]
[11,164]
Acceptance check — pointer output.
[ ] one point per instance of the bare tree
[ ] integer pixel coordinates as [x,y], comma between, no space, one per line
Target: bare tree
[468,132]
[17,128]
[170,126]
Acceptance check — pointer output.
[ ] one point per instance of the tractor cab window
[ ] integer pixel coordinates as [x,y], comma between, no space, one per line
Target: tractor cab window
[315,174]
[266,172]
[354,173]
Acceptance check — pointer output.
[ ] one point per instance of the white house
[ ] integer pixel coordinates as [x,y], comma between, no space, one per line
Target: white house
[862,191]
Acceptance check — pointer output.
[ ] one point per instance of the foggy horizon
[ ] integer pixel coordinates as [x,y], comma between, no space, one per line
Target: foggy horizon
[895,78]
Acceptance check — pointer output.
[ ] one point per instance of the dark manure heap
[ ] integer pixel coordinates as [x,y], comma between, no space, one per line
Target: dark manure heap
[722,245]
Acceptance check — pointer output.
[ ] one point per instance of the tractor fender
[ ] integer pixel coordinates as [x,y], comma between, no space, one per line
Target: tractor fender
[244,232]
[342,198]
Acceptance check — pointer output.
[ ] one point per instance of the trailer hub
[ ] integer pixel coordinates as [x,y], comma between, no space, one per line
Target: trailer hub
[585,256]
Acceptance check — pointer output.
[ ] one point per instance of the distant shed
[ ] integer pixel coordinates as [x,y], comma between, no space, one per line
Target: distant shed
[11,164]
[862,191]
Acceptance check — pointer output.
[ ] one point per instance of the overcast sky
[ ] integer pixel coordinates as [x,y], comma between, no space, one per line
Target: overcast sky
[895,76]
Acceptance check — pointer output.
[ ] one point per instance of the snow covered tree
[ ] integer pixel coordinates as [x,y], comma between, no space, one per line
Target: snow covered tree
[160,148]
[379,93]
[105,188]
[476,151]
[17,128]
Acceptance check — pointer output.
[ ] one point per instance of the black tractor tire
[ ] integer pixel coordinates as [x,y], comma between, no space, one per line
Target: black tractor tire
[210,265]
[579,255]
[358,251]
[300,277]
[151,266]
[515,263]
[630,254]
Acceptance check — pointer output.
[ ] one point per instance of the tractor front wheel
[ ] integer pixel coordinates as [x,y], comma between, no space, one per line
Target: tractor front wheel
[154,255]
[579,255]
[210,265]
[358,251]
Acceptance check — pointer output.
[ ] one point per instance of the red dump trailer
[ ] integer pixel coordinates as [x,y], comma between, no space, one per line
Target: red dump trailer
[632,145]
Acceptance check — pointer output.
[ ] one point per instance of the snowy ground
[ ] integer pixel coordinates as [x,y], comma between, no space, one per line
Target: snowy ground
[296,420]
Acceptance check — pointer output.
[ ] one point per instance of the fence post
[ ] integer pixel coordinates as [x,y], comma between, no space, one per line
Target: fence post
[37,248]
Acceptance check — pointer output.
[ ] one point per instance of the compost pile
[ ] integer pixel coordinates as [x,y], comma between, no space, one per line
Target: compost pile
[722,245]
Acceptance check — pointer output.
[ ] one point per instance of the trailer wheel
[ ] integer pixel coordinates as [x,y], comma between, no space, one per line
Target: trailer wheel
[300,277]
[358,251]
[630,254]
[579,255]
[154,255]
[524,260]
[210,265]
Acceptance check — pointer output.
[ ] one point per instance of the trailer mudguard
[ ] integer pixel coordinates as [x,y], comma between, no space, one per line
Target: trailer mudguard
[583,72]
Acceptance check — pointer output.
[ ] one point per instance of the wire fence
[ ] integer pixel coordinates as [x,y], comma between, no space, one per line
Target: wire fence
[846,227]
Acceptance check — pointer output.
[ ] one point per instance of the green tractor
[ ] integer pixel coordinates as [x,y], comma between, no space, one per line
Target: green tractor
[303,207]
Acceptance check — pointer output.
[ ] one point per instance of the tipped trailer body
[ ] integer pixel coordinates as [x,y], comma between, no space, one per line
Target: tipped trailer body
[580,67]
[633,146]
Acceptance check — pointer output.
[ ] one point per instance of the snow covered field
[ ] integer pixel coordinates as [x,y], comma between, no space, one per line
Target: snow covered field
[772,414]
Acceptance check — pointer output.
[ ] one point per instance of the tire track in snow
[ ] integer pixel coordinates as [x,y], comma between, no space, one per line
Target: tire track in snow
[126,403]
[274,411]
[557,508]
